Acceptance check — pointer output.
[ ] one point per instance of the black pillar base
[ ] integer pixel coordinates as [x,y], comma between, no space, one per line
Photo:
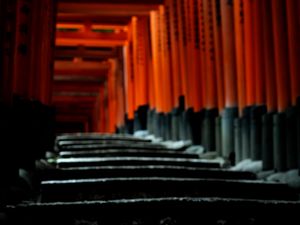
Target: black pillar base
[238,140]
[298,132]
[229,114]
[9,168]
[182,128]
[150,121]
[246,132]
[140,118]
[169,126]
[267,141]
[218,135]
[187,122]
[279,142]
[128,125]
[196,124]
[165,126]
[291,137]
[256,131]
[208,129]
[175,124]
[157,124]
[120,130]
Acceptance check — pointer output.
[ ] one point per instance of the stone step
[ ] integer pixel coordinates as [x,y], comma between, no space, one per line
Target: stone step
[142,171]
[65,143]
[97,136]
[127,152]
[155,187]
[117,145]
[125,161]
[163,211]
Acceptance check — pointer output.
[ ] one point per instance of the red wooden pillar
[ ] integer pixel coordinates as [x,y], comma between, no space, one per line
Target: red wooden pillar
[120,94]
[8,11]
[281,53]
[216,10]
[239,49]
[270,76]
[139,26]
[42,49]
[190,53]
[249,52]
[196,54]
[152,102]
[293,25]
[149,64]
[103,109]
[135,63]
[175,56]
[155,33]
[112,97]
[129,81]
[165,52]
[203,78]
[183,49]
[28,49]
[229,58]
[22,76]
[258,50]
[212,97]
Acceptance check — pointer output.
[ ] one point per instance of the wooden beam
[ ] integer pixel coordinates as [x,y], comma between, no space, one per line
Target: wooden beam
[75,66]
[76,87]
[144,2]
[107,9]
[76,78]
[79,17]
[61,52]
[90,42]
[86,37]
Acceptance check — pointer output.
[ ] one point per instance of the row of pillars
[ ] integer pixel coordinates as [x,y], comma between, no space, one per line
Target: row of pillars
[224,74]
[26,49]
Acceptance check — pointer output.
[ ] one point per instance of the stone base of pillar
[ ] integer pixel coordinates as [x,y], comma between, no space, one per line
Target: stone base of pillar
[256,131]
[246,132]
[279,141]
[267,141]
[208,129]
[291,137]
[228,117]
[196,124]
[238,140]
[140,118]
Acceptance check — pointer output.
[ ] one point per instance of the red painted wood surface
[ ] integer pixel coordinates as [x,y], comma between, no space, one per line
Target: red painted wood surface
[202,86]
[129,82]
[216,10]
[154,20]
[196,55]
[281,54]
[229,58]
[269,59]
[258,56]
[165,72]
[211,83]
[293,25]
[175,58]
[249,52]
[239,48]
[139,63]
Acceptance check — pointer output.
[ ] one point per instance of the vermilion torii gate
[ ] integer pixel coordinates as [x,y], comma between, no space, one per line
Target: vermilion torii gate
[224,74]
